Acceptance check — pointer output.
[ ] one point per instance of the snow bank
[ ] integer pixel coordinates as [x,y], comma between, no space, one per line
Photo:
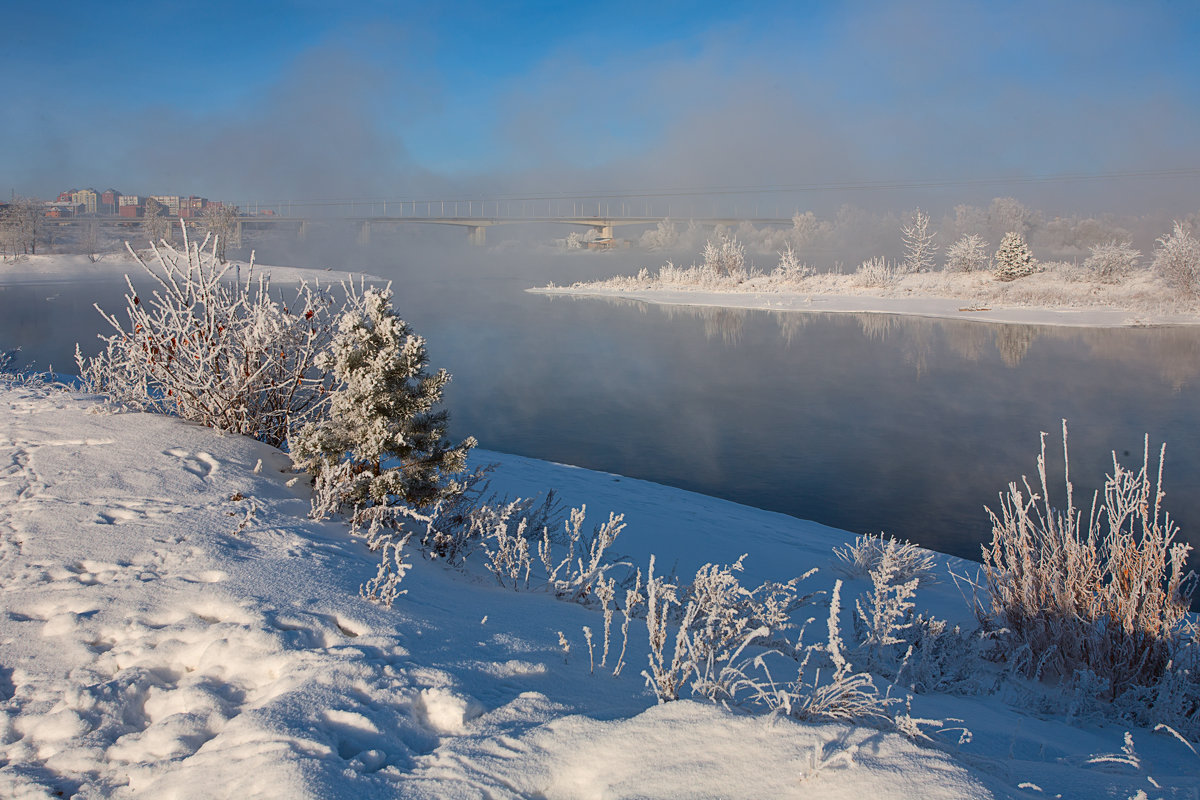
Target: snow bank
[938,307]
[172,625]
[70,268]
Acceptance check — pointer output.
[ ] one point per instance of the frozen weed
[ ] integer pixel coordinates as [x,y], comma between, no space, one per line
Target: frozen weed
[905,560]
[1108,594]
[384,588]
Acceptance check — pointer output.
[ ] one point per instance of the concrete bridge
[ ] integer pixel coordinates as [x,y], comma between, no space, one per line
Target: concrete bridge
[476,226]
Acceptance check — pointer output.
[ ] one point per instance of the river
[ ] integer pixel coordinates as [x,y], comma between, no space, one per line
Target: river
[864,422]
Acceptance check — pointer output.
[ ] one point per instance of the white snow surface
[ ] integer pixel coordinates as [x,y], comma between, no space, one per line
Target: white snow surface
[56,267]
[920,306]
[172,625]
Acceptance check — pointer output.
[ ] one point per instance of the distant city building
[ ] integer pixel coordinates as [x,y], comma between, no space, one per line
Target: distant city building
[192,206]
[169,202]
[88,198]
[59,209]
[88,201]
[108,201]
[129,205]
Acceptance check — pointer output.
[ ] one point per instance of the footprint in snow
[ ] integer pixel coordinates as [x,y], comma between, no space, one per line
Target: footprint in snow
[200,464]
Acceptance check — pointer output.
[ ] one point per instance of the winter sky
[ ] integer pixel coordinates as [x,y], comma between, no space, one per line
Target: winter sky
[300,100]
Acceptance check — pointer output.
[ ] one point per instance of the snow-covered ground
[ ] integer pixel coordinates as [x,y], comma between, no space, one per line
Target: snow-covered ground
[69,268]
[173,625]
[1055,297]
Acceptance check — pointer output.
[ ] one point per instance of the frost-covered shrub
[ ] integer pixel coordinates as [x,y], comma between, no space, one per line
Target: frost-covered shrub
[790,267]
[664,235]
[968,254]
[213,350]
[724,255]
[883,615]
[575,575]
[877,271]
[941,658]
[461,523]
[1177,260]
[717,620]
[520,547]
[919,247]
[383,443]
[1108,594]
[903,559]
[845,695]
[1112,261]
[1013,260]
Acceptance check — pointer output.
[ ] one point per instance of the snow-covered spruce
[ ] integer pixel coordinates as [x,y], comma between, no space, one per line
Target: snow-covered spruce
[1013,259]
[383,444]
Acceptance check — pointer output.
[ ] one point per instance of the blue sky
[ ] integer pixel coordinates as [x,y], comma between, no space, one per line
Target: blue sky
[279,100]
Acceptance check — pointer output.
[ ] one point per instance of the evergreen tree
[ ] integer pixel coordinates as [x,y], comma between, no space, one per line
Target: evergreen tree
[382,442]
[1013,259]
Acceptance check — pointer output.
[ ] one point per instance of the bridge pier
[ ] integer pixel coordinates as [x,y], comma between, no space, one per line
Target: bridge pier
[477,235]
[604,231]
[364,233]
[302,232]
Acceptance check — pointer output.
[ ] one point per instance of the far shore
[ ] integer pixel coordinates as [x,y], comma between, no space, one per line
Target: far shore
[922,306]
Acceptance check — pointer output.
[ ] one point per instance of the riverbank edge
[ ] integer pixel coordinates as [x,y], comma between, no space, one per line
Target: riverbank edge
[932,307]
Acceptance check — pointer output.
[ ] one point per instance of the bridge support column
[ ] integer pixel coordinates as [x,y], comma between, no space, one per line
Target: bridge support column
[302,233]
[364,234]
[477,235]
[604,231]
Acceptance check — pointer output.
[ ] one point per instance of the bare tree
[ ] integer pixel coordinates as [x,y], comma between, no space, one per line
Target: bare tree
[154,222]
[968,254]
[220,221]
[1177,259]
[90,242]
[22,226]
[919,247]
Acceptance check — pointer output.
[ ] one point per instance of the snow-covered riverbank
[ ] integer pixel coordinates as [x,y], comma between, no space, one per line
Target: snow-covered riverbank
[175,626]
[921,306]
[1060,294]
[61,268]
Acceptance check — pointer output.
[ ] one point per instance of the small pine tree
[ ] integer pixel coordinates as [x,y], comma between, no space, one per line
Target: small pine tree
[919,247]
[383,442]
[1013,259]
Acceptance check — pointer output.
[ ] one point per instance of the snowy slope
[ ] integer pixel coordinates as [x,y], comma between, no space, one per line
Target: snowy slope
[66,267]
[172,625]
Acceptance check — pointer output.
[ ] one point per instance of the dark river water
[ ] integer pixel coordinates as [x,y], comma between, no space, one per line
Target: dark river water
[863,422]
